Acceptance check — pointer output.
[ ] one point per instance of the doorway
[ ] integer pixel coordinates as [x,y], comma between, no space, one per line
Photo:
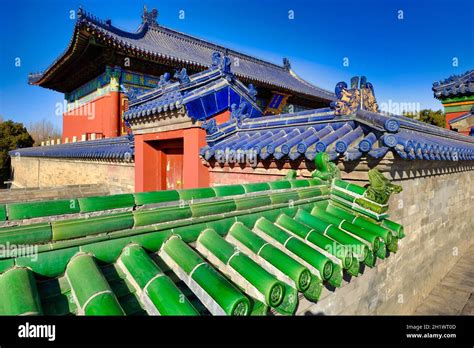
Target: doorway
[170,160]
[173,168]
[170,172]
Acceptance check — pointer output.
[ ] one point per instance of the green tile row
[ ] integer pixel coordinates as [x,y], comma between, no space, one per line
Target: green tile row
[29,210]
[61,230]
[107,249]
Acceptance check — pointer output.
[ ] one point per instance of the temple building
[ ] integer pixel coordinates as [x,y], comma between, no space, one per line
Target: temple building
[456,93]
[103,61]
[207,129]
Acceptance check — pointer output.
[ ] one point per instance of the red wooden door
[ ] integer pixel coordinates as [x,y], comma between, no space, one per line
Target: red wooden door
[173,167]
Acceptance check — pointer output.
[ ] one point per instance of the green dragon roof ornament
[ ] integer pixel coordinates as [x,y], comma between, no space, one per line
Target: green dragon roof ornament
[371,200]
[380,188]
[325,169]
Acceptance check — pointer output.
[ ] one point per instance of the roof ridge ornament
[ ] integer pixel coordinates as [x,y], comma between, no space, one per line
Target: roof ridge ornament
[325,169]
[210,126]
[221,62]
[130,93]
[286,64]
[164,80]
[359,97]
[238,114]
[252,91]
[83,14]
[380,188]
[182,76]
[453,78]
[150,18]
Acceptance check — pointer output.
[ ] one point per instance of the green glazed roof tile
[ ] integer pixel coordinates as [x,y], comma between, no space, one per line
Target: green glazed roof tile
[3,212]
[154,197]
[153,216]
[89,204]
[197,193]
[238,255]
[48,264]
[299,183]
[26,234]
[19,293]
[228,190]
[279,184]
[67,229]
[255,187]
[20,211]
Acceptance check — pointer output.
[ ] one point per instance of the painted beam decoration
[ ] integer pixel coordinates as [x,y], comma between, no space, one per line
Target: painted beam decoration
[114,79]
[248,249]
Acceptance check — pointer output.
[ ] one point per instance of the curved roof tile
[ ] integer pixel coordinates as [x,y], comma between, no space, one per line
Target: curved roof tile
[118,148]
[455,85]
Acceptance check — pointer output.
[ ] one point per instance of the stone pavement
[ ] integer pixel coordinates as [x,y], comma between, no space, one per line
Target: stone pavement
[454,295]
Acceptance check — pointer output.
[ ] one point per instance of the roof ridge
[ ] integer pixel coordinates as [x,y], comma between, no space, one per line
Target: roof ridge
[299,78]
[144,28]
[452,79]
[107,24]
[215,46]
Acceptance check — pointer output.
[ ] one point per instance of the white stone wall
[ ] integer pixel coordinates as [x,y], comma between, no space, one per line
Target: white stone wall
[118,177]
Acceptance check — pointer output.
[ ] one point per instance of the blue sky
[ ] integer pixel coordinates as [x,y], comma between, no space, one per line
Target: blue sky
[401,57]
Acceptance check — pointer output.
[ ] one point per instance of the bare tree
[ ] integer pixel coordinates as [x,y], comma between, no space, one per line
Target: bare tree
[43,130]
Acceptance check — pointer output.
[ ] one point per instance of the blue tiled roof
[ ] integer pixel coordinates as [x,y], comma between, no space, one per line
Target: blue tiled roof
[118,148]
[455,85]
[203,95]
[349,132]
[158,42]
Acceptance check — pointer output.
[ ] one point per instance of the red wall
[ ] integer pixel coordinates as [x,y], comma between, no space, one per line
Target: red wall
[98,116]
[222,117]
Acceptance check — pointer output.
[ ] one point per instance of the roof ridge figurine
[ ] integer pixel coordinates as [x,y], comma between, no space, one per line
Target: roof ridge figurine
[210,126]
[239,113]
[325,169]
[380,188]
[221,62]
[252,91]
[359,96]
[150,17]
[182,76]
